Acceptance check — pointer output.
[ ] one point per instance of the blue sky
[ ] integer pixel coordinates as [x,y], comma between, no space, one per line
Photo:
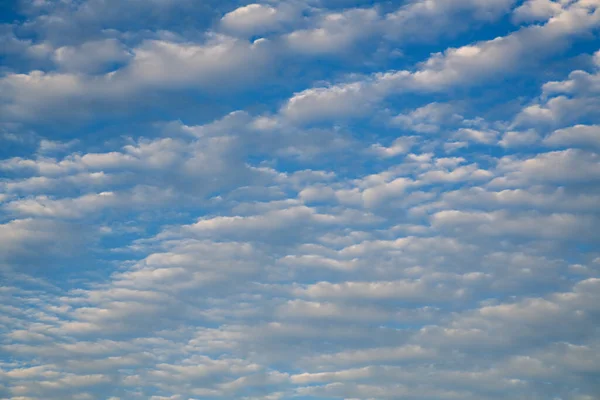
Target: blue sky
[300,199]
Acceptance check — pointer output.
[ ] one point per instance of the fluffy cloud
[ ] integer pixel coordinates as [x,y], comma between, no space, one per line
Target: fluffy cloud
[336,32]
[250,18]
[575,136]
[153,65]
[564,102]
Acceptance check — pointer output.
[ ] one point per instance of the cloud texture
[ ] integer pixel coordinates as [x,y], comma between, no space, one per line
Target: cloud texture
[300,199]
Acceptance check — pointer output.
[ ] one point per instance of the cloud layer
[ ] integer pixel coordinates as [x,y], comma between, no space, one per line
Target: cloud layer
[300,199]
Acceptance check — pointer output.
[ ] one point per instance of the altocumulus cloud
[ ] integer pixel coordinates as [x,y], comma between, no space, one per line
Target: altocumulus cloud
[300,199]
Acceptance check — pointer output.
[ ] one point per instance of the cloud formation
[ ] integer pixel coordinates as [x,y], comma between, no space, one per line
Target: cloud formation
[300,199]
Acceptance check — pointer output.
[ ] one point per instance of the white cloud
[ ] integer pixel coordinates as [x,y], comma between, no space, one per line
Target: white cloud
[335,32]
[91,57]
[43,206]
[47,238]
[568,166]
[576,136]
[504,224]
[411,290]
[537,10]
[427,19]
[478,136]
[332,102]
[252,18]
[565,102]
[220,63]
[400,146]
[429,118]
[409,352]
[519,138]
